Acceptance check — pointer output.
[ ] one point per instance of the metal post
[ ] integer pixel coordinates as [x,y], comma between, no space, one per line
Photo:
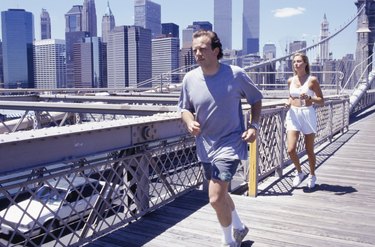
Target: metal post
[253,170]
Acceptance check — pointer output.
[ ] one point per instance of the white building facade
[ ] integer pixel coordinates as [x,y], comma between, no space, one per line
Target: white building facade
[165,58]
[49,63]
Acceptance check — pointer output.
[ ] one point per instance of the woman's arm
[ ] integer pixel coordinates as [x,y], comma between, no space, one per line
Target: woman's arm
[288,102]
[318,98]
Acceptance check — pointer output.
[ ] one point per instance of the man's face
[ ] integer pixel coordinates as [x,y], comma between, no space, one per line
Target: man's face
[203,53]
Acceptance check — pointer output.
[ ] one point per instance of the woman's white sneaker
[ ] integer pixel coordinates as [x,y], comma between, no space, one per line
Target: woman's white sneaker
[311,181]
[298,179]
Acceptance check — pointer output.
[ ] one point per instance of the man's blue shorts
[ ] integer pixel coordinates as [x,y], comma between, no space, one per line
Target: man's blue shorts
[223,170]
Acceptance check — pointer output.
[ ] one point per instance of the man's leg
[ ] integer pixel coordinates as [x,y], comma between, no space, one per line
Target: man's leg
[223,206]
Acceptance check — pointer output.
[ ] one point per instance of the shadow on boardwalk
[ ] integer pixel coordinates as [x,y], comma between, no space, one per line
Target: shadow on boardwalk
[283,185]
[339,212]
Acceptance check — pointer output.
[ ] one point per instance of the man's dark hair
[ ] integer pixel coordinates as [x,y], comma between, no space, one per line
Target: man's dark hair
[215,41]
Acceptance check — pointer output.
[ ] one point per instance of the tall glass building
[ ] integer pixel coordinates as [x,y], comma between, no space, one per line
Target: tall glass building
[89,63]
[89,18]
[17,27]
[147,14]
[45,25]
[73,19]
[140,62]
[129,57]
[108,23]
[73,34]
[187,36]
[269,51]
[1,65]
[204,25]
[250,26]
[170,30]
[223,22]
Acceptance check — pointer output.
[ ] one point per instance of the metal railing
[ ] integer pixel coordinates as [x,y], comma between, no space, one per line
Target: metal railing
[270,148]
[367,99]
[330,81]
[73,203]
[121,185]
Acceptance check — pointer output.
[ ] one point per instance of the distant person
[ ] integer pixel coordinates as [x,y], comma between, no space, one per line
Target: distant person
[304,91]
[210,105]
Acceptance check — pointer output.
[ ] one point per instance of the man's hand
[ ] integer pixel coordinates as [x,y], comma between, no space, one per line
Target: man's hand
[194,127]
[249,135]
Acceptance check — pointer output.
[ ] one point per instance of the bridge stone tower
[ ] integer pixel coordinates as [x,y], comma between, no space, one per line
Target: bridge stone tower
[365,32]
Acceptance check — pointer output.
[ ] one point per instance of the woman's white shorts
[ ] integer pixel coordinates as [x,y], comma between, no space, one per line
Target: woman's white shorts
[301,119]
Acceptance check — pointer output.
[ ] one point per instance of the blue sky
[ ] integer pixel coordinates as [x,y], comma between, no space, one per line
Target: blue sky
[281,21]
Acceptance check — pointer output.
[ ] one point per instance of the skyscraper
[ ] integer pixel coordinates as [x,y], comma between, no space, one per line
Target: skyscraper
[269,51]
[187,33]
[165,58]
[170,30]
[73,34]
[346,65]
[88,62]
[108,23]
[73,19]
[140,56]
[205,25]
[297,45]
[129,57]
[45,25]
[250,26]
[49,63]
[117,53]
[223,22]
[324,33]
[17,26]
[187,36]
[89,23]
[147,14]
[1,65]
[187,59]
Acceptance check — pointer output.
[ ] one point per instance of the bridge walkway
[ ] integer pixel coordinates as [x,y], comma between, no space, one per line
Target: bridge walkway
[338,212]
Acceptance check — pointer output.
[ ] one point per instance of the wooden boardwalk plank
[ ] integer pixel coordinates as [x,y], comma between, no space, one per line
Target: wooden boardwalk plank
[339,212]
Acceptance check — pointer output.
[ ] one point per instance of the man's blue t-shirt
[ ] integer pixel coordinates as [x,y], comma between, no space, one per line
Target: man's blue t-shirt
[216,102]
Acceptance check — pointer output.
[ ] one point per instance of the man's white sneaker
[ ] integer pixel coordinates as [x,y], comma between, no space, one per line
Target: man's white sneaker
[311,181]
[298,179]
[239,234]
[233,244]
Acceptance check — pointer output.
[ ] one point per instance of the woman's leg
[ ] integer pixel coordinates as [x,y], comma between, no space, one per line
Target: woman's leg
[292,138]
[309,144]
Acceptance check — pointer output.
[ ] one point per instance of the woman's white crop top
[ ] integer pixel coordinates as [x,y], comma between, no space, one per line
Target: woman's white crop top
[295,92]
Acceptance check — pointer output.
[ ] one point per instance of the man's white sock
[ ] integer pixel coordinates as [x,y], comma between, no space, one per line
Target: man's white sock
[228,235]
[236,221]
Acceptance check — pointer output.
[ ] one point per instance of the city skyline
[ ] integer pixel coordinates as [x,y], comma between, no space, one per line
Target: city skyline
[278,16]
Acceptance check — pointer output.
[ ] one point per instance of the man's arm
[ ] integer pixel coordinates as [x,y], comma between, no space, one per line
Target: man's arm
[192,125]
[256,109]
[250,134]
